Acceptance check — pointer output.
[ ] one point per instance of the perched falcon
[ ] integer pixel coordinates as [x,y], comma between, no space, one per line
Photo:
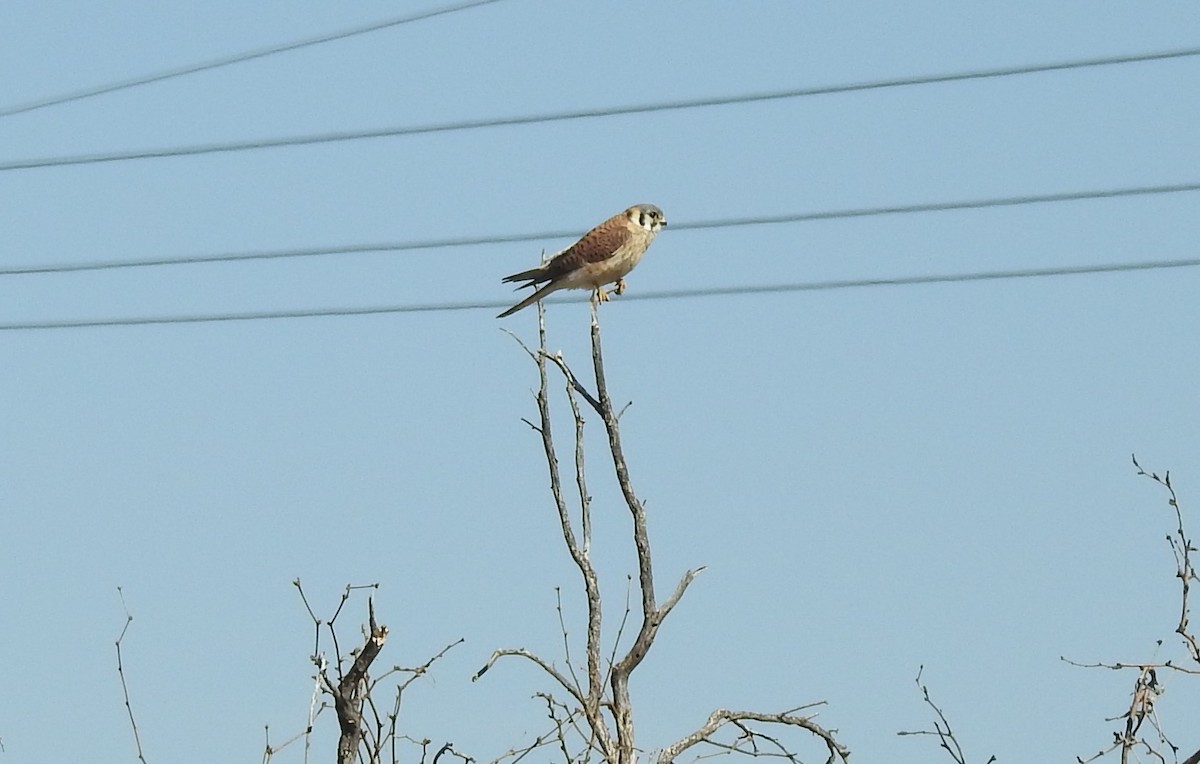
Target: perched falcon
[605,254]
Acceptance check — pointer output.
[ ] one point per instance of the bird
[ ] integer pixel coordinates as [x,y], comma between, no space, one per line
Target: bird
[604,255]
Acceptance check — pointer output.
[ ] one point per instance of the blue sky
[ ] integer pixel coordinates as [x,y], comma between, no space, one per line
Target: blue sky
[877,479]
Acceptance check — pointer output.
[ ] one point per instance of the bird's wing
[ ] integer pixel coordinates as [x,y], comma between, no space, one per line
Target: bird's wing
[597,245]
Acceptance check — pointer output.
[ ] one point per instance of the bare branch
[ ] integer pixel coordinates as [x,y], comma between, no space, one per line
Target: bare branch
[448,748]
[941,727]
[612,659]
[366,730]
[1168,665]
[652,615]
[1182,548]
[271,750]
[556,734]
[641,536]
[529,655]
[573,382]
[722,717]
[316,621]
[594,701]
[562,626]
[590,699]
[1147,688]
[581,560]
[521,342]
[423,669]
[619,676]
[684,582]
[585,499]
[560,735]
[137,739]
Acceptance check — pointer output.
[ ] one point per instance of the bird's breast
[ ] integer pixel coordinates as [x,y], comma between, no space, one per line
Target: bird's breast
[614,267]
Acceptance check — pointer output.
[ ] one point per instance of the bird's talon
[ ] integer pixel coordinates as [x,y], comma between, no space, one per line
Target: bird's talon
[620,286]
[601,295]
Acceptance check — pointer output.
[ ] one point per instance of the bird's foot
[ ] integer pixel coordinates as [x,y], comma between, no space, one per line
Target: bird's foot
[620,286]
[601,295]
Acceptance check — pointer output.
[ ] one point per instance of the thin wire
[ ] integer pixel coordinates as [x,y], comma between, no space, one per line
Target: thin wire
[670,294]
[468,241]
[236,58]
[561,116]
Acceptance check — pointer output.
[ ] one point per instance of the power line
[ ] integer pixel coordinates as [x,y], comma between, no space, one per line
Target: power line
[236,58]
[970,204]
[467,241]
[670,294]
[562,116]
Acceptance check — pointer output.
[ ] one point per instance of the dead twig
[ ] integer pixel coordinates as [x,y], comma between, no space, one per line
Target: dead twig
[1182,548]
[137,738]
[941,727]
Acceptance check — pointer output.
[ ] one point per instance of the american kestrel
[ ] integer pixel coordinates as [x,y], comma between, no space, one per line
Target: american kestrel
[605,254]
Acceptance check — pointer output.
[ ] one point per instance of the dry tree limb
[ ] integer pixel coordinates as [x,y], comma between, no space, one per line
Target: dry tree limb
[1138,666]
[590,697]
[604,719]
[349,693]
[653,614]
[722,717]
[533,657]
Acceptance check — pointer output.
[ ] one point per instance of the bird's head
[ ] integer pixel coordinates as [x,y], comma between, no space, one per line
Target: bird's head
[646,216]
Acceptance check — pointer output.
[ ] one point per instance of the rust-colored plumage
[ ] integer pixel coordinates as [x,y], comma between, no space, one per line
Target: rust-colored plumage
[602,256]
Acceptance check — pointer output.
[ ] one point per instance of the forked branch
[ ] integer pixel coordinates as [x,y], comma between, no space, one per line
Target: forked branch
[606,699]
[137,738]
[941,727]
[1182,547]
[749,739]
[1141,714]
[348,694]
[368,732]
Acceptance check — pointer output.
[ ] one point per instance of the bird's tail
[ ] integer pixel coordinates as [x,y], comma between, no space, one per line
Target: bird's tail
[533,275]
[530,300]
